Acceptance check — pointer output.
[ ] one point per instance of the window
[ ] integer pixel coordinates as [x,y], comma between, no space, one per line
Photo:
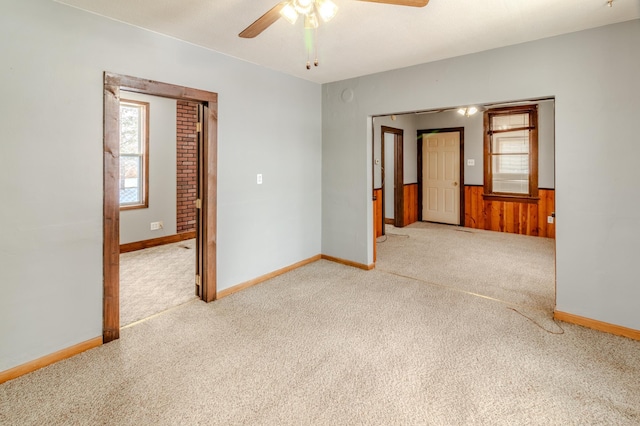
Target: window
[134,161]
[511,152]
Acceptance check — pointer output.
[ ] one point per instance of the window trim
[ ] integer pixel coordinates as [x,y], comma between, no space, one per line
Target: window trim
[144,156]
[489,194]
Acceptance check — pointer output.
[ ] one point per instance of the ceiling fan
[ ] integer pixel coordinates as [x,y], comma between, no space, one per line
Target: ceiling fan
[310,10]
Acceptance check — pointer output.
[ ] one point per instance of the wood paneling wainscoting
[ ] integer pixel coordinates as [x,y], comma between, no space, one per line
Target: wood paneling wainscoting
[410,203]
[509,216]
[409,209]
[377,211]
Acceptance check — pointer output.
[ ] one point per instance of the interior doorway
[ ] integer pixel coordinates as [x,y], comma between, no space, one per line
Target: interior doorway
[441,175]
[392,141]
[158,191]
[477,213]
[205,273]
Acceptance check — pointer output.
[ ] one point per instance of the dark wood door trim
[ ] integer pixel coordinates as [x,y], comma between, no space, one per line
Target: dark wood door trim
[383,216]
[199,196]
[460,130]
[111,212]
[398,171]
[398,174]
[113,84]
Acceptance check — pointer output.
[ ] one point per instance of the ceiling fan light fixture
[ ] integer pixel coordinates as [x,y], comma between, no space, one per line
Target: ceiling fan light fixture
[289,13]
[310,21]
[310,9]
[326,9]
[303,7]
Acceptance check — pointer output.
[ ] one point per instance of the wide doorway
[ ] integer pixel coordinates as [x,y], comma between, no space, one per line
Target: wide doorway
[204,244]
[495,246]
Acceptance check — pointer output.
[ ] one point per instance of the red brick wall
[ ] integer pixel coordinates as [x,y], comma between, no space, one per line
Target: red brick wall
[187,157]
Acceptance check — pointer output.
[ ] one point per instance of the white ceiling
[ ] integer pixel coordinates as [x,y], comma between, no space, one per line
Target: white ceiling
[364,38]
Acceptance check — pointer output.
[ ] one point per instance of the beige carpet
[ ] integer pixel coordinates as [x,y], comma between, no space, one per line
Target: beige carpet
[327,344]
[156,279]
[514,268]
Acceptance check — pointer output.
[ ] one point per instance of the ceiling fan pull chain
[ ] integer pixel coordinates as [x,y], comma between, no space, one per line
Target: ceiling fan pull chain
[307,45]
[315,46]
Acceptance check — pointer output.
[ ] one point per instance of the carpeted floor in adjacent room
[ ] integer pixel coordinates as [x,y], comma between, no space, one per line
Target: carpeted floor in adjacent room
[156,279]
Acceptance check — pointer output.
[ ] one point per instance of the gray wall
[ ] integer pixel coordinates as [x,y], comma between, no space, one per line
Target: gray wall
[474,141]
[546,145]
[53,59]
[135,224]
[596,146]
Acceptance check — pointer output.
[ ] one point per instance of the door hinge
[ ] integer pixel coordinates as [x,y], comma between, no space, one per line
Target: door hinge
[198,127]
[198,203]
[198,280]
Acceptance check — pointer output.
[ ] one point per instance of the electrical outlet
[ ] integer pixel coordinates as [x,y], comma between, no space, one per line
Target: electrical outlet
[259,179]
[471,162]
[156,225]
[549,219]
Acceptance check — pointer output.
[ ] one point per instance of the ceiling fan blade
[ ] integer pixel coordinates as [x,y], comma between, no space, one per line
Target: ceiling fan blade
[263,22]
[413,3]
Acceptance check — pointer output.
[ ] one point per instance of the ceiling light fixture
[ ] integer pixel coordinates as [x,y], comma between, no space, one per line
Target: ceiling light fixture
[289,13]
[468,111]
[326,9]
[310,9]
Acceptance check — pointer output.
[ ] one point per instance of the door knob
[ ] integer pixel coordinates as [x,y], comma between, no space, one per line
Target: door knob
[455,183]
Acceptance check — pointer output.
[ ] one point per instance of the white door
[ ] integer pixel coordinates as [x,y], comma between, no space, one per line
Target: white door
[441,177]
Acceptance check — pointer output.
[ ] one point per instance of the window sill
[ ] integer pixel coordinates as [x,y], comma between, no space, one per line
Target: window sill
[511,198]
[134,207]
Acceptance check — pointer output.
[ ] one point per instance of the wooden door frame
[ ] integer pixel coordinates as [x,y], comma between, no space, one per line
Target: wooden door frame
[460,131]
[398,175]
[113,84]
